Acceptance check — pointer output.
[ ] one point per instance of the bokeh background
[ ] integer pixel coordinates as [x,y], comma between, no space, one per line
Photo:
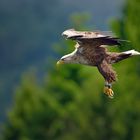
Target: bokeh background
[40,102]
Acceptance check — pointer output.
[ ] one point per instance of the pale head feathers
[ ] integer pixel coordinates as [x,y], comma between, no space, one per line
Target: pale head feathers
[74,57]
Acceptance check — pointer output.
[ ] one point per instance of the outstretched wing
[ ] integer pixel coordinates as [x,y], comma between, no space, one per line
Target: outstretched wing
[107,72]
[97,38]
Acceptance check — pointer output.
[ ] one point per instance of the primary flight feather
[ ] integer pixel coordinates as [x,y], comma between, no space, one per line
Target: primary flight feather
[91,49]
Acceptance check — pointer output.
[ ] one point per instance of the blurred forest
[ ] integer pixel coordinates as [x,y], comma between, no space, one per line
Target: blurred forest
[69,103]
[29,28]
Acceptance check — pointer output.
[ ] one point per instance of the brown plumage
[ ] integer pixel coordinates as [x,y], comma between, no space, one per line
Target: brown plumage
[91,49]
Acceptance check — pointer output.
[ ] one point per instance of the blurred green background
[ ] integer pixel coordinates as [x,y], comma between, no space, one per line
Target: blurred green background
[40,102]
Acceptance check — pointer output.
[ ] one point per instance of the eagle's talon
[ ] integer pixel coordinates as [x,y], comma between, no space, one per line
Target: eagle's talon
[109,92]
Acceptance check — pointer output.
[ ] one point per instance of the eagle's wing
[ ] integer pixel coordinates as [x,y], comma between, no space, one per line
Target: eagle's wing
[97,38]
[107,71]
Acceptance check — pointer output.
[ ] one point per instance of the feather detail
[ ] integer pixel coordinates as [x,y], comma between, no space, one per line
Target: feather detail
[132,52]
[108,73]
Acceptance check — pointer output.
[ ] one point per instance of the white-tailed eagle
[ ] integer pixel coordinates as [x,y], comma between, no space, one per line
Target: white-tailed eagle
[91,49]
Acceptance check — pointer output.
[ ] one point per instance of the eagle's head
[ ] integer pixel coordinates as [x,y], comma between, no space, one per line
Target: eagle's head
[69,58]
[74,57]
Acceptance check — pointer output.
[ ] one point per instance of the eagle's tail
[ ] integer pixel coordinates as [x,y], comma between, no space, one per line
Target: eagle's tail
[131,52]
[116,57]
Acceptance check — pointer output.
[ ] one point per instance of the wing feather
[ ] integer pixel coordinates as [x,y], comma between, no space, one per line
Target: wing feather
[97,38]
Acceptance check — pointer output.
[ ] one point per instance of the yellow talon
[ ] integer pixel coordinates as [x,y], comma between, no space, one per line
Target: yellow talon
[109,92]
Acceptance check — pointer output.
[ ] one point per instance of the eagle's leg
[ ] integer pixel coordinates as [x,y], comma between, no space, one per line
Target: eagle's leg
[108,91]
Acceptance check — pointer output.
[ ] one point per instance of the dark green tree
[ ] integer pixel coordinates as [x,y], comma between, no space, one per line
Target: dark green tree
[128,28]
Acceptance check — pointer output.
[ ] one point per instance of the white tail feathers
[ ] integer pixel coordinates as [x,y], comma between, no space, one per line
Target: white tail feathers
[132,52]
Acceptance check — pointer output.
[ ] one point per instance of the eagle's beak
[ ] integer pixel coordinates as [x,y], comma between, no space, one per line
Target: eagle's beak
[60,62]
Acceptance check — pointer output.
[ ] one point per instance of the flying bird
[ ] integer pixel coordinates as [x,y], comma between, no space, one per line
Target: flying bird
[91,49]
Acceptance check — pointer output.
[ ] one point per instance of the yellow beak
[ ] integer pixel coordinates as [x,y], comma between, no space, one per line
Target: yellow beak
[59,62]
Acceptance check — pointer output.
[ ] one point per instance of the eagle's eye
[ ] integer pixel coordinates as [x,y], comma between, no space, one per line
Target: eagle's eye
[62,59]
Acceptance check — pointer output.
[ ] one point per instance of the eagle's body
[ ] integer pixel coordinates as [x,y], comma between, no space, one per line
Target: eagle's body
[90,49]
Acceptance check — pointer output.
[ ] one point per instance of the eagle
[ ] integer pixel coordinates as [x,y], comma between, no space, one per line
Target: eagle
[91,49]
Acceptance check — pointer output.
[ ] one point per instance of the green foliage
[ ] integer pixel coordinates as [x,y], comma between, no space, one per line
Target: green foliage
[70,104]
